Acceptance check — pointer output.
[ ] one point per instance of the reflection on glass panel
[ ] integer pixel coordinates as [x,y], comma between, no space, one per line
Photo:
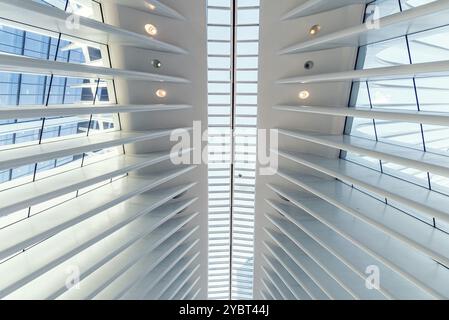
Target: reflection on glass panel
[381,8]
[383,54]
[400,133]
[406,173]
[363,160]
[432,45]
[433,94]
[360,96]
[363,128]
[393,94]
[439,183]
[86,8]
[410,4]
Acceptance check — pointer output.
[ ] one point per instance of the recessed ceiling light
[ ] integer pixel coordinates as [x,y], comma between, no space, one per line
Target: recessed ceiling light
[151,29]
[315,29]
[150,6]
[156,63]
[303,95]
[161,93]
[309,65]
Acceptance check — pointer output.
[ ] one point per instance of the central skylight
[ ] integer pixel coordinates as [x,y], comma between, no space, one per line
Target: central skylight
[233,45]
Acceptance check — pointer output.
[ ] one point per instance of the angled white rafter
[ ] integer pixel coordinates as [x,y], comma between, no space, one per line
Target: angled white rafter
[417,70]
[162,277]
[389,114]
[395,254]
[106,274]
[412,232]
[40,191]
[280,286]
[13,158]
[430,203]
[138,272]
[25,112]
[43,226]
[425,161]
[187,288]
[415,20]
[311,7]
[151,6]
[296,273]
[289,251]
[53,19]
[297,288]
[340,259]
[26,65]
[40,265]
[177,285]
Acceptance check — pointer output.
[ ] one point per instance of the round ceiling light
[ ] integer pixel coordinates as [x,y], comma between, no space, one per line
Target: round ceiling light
[315,29]
[161,93]
[151,29]
[303,95]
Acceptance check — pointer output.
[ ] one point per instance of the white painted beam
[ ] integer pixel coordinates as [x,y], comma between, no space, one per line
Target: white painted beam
[53,19]
[422,18]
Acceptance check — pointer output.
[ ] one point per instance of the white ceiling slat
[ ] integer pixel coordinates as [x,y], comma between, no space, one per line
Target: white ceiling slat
[53,19]
[271,289]
[425,161]
[297,274]
[106,274]
[389,114]
[39,273]
[42,226]
[342,260]
[52,282]
[151,6]
[425,201]
[17,157]
[297,288]
[280,286]
[180,281]
[193,295]
[26,112]
[146,265]
[393,253]
[157,282]
[291,252]
[347,277]
[415,20]
[311,7]
[417,70]
[414,233]
[26,65]
[24,196]
[187,289]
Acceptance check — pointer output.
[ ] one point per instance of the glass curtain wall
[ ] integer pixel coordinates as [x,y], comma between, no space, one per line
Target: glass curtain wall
[414,94]
[23,90]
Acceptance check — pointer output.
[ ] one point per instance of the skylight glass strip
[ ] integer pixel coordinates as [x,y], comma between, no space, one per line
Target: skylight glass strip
[233,67]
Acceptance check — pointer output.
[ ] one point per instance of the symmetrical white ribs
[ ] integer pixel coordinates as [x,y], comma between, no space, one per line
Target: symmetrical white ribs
[380,208]
[103,211]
